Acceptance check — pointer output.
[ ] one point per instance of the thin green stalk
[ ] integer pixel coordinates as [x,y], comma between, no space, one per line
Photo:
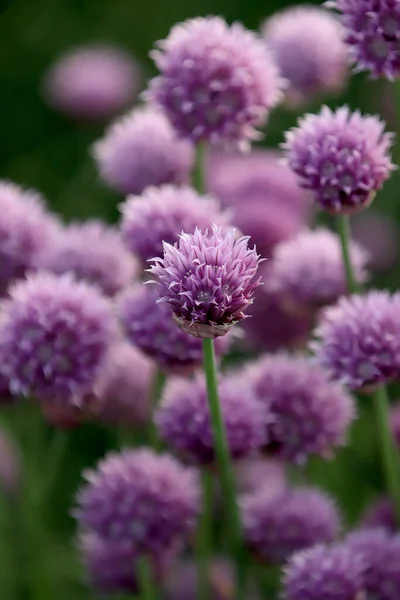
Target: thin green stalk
[343,227]
[158,386]
[204,538]
[390,456]
[146,579]
[228,483]
[198,174]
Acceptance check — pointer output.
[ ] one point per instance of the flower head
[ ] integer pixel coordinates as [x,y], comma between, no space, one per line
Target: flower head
[208,279]
[141,149]
[54,336]
[184,582]
[307,44]
[307,270]
[160,214]
[148,500]
[381,515]
[358,339]
[184,422]
[309,413]
[93,82]
[251,471]
[342,157]
[277,526]
[217,82]
[93,252]
[372,32]
[149,325]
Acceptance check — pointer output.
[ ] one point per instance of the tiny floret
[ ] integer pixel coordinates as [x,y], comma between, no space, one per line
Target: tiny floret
[343,158]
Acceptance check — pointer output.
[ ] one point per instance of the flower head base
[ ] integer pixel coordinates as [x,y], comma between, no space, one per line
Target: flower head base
[372,32]
[217,82]
[342,157]
[141,149]
[306,42]
[161,214]
[358,340]
[208,279]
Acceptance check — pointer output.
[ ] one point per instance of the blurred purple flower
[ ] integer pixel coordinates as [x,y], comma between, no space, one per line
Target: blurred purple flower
[378,234]
[254,471]
[380,515]
[184,582]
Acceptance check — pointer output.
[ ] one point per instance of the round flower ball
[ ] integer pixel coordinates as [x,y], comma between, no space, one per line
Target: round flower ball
[308,47]
[310,414]
[149,326]
[208,279]
[184,422]
[54,336]
[92,252]
[328,572]
[358,340]
[276,526]
[92,82]
[307,271]
[141,149]
[159,215]
[139,497]
[372,33]
[343,158]
[217,82]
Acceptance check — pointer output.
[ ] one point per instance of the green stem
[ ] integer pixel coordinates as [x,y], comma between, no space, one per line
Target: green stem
[145,578]
[204,538]
[198,174]
[228,483]
[343,227]
[158,386]
[390,457]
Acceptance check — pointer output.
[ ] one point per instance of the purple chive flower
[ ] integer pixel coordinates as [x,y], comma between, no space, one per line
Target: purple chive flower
[307,44]
[148,500]
[208,279]
[309,413]
[342,157]
[307,271]
[183,419]
[92,83]
[277,526]
[328,572]
[141,149]
[184,582]
[378,234]
[54,336]
[25,231]
[160,214]
[251,471]
[92,252]
[358,339]
[217,82]
[372,32]
[149,325]
[10,464]
[381,515]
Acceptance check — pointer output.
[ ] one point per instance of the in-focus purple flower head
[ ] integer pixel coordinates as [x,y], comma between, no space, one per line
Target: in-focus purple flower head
[277,526]
[372,33]
[343,158]
[184,422]
[92,82]
[141,149]
[310,414]
[358,340]
[139,497]
[217,82]
[55,334]
[328,572]
[307,271]
[208,279]
[149,325]
[160,214]
[308,47]
[93,252]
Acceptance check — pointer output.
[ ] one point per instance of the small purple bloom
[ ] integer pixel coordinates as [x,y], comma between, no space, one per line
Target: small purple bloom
[381,515]
[141,149]
[54,336]
[308,47]
[342,157]
[208,279]
[277,526]
[372,31]
[251,471]
[309,413]
[217,82]
[358,339]
[160,214]
[184,422]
